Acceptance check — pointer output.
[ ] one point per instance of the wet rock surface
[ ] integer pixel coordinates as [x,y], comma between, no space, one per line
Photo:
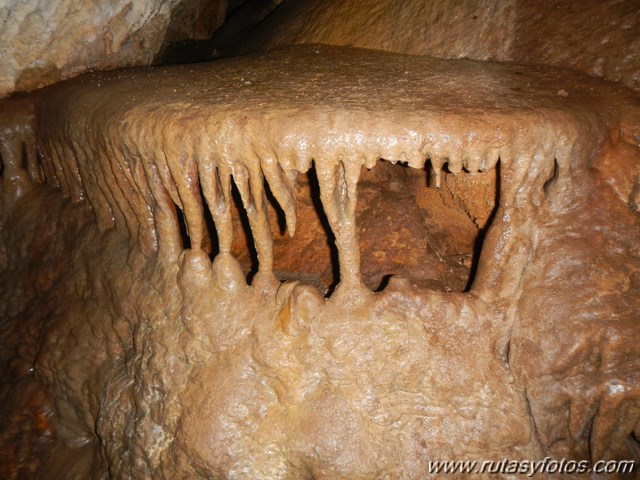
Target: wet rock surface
[135,347]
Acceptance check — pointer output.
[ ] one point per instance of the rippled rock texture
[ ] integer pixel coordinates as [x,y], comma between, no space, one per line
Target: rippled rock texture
[133,345]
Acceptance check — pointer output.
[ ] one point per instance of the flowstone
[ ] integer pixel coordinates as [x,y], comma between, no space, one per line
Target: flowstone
[154,358]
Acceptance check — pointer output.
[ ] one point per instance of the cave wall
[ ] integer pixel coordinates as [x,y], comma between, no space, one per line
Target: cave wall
[43,42]
[597,38]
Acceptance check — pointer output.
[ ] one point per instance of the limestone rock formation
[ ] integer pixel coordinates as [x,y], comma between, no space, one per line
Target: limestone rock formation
[193,372]
[42,42]
[601,38]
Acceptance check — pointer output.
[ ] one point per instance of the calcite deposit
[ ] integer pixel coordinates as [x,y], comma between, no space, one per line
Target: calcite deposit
[143,351]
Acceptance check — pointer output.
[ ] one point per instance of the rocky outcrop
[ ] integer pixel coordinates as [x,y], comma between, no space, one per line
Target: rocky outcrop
[42,42]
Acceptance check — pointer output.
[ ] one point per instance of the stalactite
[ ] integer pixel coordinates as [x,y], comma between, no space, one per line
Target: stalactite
[338,192]
[215,181]
[184,174]
[71,172]
[45,148]
[201,369]
[164,212]
[283,186]
[33,167]
[92,186]
[139,146]
[251,187]
[57,167]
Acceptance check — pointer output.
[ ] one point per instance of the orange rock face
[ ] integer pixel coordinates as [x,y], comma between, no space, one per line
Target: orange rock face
[406,228]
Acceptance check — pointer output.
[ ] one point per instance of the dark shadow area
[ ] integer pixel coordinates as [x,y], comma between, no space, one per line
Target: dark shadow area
[383,284]
[24,157]
[210,243]
[240,20]
[477,249]
[282,219]
[246,228]
[182,226]
[552,178]
[314,188]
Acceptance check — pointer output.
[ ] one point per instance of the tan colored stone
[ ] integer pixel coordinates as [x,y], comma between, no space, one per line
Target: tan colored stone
[165,364]
[42,42]
[600,38]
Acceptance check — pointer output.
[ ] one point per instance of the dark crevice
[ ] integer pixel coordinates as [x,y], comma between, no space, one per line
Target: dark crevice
[314,188]
[551,180]
[477,248]
[428,168]
[589,420]
[210,242]
[384,283]
[507,349]
[282,218]
[24,157]
[246,228]
[182,226]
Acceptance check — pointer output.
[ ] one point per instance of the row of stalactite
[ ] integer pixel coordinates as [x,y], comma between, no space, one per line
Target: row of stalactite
[134,180]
